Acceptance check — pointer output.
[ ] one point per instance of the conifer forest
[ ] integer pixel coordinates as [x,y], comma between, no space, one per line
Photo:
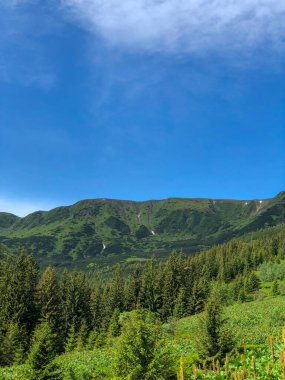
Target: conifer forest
[172,319]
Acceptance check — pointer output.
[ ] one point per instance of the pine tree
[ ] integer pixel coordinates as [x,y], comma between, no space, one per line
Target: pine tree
[181,305]
[238,286]
[13,344]
[275,288]
[173,276]
[2,351]
[149,291]
[113,296]
[75,300]
[71,339]
[42,353]
[199,295]
[252,283]
[17,292]
[48,298]
[82,337]
[114,326]
[96,308]
[92,340]
[138,352]
[242,295]
[133,289]
[214,340]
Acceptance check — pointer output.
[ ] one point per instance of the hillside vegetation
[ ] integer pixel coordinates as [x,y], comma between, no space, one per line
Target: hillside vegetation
[101,232]
[216,315]
[252,322]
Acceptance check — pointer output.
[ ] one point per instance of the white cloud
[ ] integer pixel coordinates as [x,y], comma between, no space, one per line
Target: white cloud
[183,25]
[22,207]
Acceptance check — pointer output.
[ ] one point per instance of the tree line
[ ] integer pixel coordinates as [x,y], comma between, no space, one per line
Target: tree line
[45,314]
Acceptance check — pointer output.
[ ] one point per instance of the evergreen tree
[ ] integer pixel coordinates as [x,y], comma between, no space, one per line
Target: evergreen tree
[149,290]
[48,298]
[138,351]
[114,326]
[132,290]
[17,292]
[181,305]
[173,277]
[242,295]
[252,283]
[75,299]
[113,297]
[199,295]
[82,337]
[214,340]
[92,340]
[42,354]
[71,339]
[275,288]
[96,308]
[13,344]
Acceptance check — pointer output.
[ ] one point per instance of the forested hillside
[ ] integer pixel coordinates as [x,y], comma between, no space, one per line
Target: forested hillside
[44,315]
[102,231]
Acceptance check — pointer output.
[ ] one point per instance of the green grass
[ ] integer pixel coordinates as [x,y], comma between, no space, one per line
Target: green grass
[74,236]
[83,365]
[87,364]
[251,322]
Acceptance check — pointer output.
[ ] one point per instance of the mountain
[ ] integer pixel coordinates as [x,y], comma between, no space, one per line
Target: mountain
[7,220]
[105,231]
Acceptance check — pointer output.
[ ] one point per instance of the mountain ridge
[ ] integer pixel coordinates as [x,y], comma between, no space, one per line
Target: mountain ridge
[145,201]
[94,230]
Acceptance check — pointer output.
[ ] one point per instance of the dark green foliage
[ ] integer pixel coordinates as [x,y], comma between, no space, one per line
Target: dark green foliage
[275,288]
[149,295]
[49,300]
[71,340]
[172,280]
[214,339]
[142,232]
[133,288]
[86,310]
[114,325]
[113,296]
[42,354]
[75,300]
[181,305]
[82,337]
[92,340]
[18,283]
[7,220]
[13,344]
[117,224]
[139,353]
[252,283]
[74,235]
[198,296]
[96,308]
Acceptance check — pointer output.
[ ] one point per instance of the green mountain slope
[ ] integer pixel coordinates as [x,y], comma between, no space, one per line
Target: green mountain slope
[7,220]
[110,230]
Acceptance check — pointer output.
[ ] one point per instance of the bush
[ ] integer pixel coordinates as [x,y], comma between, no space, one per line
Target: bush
[140,352]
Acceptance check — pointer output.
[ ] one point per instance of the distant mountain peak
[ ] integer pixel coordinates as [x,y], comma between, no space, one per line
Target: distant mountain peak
[74,234]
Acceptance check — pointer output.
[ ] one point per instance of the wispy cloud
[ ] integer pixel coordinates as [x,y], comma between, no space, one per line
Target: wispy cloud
[22,207]
[185,25]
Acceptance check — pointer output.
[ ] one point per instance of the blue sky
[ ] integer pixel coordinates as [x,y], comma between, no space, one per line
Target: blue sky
[142,99]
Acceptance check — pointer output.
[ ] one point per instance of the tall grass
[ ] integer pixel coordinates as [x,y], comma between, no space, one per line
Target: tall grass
[262,362]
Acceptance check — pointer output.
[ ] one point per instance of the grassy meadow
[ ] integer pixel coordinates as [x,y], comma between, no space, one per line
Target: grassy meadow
[256,326]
